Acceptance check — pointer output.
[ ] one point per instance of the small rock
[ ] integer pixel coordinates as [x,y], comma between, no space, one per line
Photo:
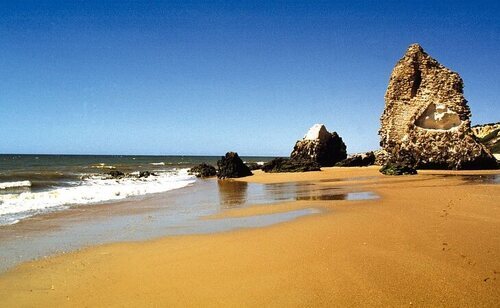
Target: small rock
[290,165]
[397,169]
[358,160]
[203,170]
[116,174]
[145,174]
[254,166]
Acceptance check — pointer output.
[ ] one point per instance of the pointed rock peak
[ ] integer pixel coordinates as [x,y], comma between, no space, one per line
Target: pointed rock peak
[317,131]
[415,48]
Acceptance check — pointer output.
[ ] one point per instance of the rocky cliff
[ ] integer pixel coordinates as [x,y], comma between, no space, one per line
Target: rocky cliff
[426,120]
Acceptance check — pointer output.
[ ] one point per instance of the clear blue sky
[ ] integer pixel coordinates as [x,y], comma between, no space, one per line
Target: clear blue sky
[159,77]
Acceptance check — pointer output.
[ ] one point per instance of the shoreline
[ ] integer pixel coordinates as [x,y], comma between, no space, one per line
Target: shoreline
[425,240]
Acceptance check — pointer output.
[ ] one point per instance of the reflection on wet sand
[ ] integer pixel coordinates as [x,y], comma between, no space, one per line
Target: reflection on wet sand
[476,179]
[312,192]
[237,194]
[232,193]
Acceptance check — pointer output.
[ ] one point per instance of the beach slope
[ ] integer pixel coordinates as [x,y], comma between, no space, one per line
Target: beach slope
[427,241]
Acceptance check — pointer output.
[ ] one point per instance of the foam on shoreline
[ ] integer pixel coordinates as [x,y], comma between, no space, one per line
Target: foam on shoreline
[15,184]
[96,189]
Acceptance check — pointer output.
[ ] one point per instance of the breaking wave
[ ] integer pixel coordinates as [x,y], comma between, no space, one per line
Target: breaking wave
[15,184]
[94,189]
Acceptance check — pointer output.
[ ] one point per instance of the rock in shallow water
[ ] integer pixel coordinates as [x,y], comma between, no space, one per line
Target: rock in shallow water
[321,146]
[203,170]
[231,166]
[146,174]
[116,174]
[426,120]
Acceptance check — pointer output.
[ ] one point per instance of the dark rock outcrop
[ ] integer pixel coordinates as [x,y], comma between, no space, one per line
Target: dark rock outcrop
[254,166]
[358,160]
[320,146]
[398,169]
[146,174]
[426,120]
[116,174]
[203,170]
[290,165]
[231,166]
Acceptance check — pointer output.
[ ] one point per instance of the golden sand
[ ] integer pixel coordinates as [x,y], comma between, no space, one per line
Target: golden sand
[428,241]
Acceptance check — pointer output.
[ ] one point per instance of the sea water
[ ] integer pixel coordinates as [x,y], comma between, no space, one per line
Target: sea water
[36,184]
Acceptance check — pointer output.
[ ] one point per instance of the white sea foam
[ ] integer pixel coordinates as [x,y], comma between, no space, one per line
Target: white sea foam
[91,190]
[260,163]
[103,166]
[158,164]
[6,185]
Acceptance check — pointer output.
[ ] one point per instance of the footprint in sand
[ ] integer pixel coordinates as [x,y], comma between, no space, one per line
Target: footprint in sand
[467,260]
[494,276]
[446,211]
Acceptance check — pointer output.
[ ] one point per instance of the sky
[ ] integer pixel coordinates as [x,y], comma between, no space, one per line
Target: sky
[207,77]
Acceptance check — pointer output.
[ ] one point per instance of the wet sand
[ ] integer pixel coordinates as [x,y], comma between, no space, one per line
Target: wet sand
[428,240]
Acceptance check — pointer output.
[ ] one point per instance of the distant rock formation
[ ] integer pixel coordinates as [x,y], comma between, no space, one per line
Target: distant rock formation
[231,166]
[254,166]
[203,170]
[358,160]
[320,146]
[290,165]
[489,136]
[426,120]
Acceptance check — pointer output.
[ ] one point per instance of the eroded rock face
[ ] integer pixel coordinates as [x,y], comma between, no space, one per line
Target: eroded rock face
[438,116]
[489,136]
[321,146]
[426,120]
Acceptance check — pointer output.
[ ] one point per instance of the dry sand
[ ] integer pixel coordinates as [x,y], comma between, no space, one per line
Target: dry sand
[428,241]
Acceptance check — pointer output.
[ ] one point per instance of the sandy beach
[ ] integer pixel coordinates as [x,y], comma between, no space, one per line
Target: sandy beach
[430,240]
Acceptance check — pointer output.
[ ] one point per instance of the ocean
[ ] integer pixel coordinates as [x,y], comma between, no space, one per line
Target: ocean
[37,184]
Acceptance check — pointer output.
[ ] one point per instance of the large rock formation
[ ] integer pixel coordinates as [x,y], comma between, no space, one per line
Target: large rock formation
[426,121]
[231,166]
[320,146]
[489,136]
